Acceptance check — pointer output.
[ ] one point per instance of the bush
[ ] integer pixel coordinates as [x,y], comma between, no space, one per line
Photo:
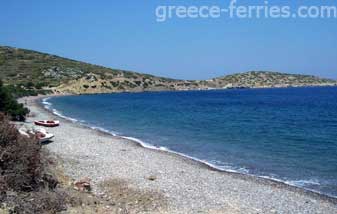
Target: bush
[25,185]
[10,106]
[29,85]
[20,159]
[18,91]
[2,59]
[40,85]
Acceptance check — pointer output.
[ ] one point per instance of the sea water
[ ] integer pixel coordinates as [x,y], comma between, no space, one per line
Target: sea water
[287,134]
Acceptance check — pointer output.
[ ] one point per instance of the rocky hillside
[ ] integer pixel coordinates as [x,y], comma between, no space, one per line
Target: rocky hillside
[265,79]
[34,70]
[37,70]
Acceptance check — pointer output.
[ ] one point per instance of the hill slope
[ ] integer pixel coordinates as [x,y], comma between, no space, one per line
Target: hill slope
[35,70]
[264,79]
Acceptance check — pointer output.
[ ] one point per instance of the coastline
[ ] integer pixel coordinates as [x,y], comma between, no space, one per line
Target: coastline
[43,104]
[278,192]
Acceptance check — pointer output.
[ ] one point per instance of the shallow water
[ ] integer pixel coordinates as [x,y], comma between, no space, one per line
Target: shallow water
[284,134]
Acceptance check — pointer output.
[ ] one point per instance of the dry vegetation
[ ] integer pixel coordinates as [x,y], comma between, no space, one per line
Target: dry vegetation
[125,199]
[26,185]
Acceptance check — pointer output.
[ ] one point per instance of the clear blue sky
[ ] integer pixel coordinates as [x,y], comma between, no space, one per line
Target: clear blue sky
[124,34]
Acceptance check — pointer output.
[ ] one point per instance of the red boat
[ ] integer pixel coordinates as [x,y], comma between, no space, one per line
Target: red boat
[47,123]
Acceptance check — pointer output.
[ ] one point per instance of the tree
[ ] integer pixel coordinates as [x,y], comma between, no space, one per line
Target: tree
[10,106]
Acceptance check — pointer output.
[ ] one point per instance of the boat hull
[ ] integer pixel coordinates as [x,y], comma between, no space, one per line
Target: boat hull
[47,123]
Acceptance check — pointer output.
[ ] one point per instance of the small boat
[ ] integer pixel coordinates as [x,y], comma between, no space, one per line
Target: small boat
[47,123]
[43,135]
[24,132]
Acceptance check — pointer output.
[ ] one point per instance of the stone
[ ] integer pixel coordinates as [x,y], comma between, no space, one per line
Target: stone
[152,178]
[83,185]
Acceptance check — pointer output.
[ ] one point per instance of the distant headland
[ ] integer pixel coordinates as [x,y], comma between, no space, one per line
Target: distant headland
[32,70]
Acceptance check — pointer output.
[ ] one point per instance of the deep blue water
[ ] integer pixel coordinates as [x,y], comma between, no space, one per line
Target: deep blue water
[286,134]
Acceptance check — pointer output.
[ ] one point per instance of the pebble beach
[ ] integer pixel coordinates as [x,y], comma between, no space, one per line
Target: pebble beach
[176,184]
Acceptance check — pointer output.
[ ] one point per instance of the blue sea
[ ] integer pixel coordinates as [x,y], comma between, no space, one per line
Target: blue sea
[288,134]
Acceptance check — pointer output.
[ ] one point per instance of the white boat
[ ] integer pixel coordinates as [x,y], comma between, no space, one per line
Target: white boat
[41,134]
[24,133]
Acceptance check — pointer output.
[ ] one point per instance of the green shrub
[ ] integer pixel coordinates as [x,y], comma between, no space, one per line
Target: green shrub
[30,85]
[10,106]
[114,84]
[18,91]
[40,85]
[2,59]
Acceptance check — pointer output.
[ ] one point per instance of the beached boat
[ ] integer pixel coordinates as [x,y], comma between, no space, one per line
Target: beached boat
[47,123]
[24,132]
[41,134]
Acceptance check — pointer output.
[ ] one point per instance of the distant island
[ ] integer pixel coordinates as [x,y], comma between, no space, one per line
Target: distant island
[32,70]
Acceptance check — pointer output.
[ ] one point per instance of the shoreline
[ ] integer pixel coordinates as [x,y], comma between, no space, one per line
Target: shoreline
[272,181]
[35,102]
[200,89]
